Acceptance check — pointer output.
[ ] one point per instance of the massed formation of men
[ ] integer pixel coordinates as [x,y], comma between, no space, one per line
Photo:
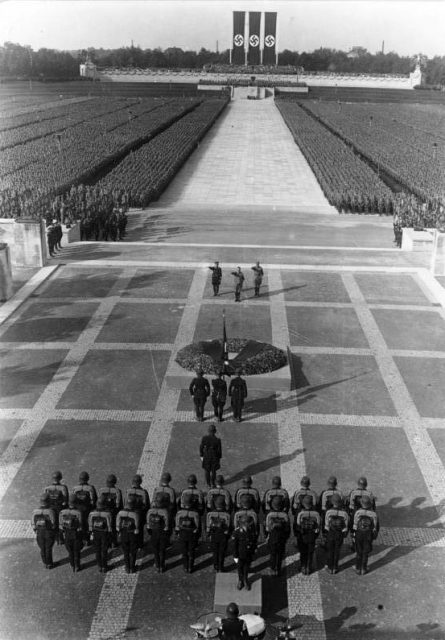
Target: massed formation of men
[109,517]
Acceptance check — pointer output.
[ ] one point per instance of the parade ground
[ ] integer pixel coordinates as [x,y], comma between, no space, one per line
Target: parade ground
[89,382]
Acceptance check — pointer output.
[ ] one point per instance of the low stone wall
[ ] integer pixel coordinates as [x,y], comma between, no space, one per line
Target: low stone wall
[417,240]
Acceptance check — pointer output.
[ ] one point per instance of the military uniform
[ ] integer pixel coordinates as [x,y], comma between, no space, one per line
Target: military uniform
[168,495]
[100,526]
[159,530]
[239,281]
[276,491]
[258,278]
[192,497]
[216,278]
[70,523]
[232,627]
[58,497]
[219,490]
[86,498]
[325,501]
[210,452]
[111,497]
[299,495]
[237,393]
[306,529]
[218,528]
[247,490]
[277,531]
[200,390]
[366,529]
[219,396]
[44,523]
[336,529]
[127,526]
[188,529]
[245,537]
[141,504]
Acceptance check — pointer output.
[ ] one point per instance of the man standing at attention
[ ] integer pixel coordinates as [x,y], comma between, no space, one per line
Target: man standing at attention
[200,390]
[239,281]
[258,278]
[237,392]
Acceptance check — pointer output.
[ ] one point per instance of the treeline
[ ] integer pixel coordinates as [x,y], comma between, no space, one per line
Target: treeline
[21,61]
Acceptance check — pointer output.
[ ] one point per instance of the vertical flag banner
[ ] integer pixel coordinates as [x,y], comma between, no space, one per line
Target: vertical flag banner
[238,55]
[225,348]
[270,38]
[253,55]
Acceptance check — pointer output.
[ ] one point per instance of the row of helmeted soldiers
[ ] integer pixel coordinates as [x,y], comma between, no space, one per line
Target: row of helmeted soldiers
[109,517]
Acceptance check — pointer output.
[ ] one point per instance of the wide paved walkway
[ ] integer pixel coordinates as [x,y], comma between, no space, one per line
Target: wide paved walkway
[248,158]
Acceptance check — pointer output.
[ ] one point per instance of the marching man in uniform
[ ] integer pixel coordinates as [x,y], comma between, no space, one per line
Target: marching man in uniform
[100,526]
[366,529]
[238,393]
[199,390]
[188,530]
[218,531]
[306,529]
[277,531]
[210,452]
[336,528]
[159,529]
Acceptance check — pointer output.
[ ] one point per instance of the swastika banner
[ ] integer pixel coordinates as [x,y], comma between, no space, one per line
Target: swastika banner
[238,41]
[270,38]
[253,55]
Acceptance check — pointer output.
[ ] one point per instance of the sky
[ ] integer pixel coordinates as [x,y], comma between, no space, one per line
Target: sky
[406,26]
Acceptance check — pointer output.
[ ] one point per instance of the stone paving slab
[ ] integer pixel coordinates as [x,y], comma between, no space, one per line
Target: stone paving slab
[74,446]
[159,283]
[144,322]
[425,380]
[93,283]
[350,452]
[313,287]
[8,429]
[25,374]
[416,330]
[382,288]
[438,437]
[118,379]
[330,327]
[340,384]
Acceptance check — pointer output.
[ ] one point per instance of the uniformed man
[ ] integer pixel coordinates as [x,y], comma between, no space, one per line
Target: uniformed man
[44,523]
[70,523]
[258,278]
[237,393]
[86,497]
[159,527]
[239,282]
[216,278]
[100,527]
[50,237]
[199,390]
[219,395]
[249,512]
[325,502]
[304,490]
[354,503]
[247,489]
[58,234]
[276,490]
[336,529]
[306,529]
[219,490]
[277,532]
[366,529]
[127,527]
[245,537]
[168,494]
[58,497]
[188,530]
[232,628]
[218,529]
[194,496]
[111,497]
[141,504]
[210,452]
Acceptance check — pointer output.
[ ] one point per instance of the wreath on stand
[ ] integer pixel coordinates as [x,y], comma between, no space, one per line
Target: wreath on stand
[252,357]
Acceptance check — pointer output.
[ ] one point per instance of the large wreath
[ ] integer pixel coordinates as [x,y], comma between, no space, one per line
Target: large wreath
[252,357]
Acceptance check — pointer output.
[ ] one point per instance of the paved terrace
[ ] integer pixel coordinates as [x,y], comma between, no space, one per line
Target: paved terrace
[86,363]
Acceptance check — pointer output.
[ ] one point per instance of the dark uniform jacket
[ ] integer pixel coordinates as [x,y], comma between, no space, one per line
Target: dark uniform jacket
[363,515]
[297,500]
[325,498]
[187,523]
[166,490]
[218,524]
[112,497]
[216,275]
[233,629]
[156,517]
[197,497]
[219,391]
[238,390]
[211,452]
[252,519]
[277,526]
[306,521]
[199,388]
[128,521]
[70,520]
[141,497]
[90,491]
[245,542]
[58,495]
[100,521]
[218,491]
[355,496]
[251,491]
[335,517]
